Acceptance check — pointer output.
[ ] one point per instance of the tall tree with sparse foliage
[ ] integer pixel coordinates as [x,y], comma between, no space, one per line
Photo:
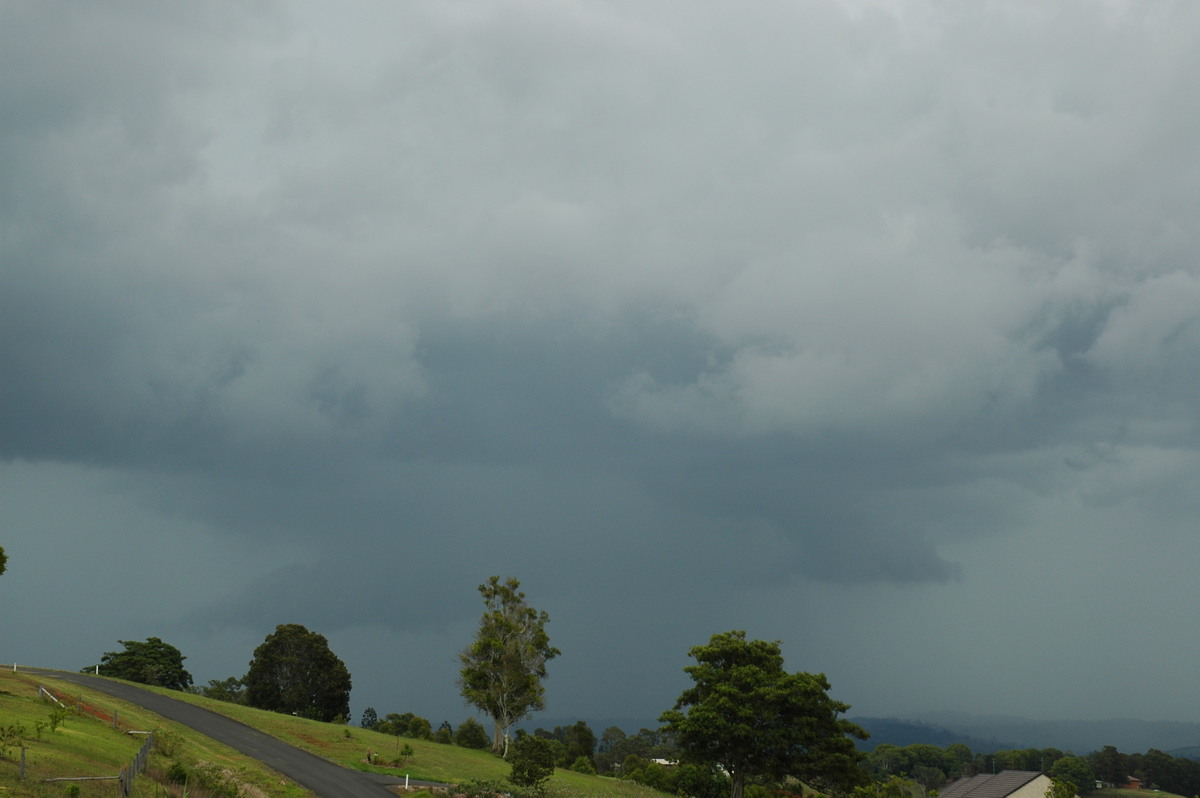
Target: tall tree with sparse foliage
[152,662]
[503,669]
[757,721]
[295,672]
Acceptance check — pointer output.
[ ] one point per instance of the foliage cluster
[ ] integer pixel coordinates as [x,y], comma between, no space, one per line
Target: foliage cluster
[292,671]
[1156,769]
[615,747]
[931,766]
[532,763]
[295,672]
[696,781]
[150,662]
[757,721]
[230,689]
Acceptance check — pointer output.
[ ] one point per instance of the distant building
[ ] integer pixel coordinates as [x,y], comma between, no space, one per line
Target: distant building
[1005,784]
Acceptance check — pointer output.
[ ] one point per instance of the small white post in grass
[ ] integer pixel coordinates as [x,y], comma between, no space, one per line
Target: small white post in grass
[406,782]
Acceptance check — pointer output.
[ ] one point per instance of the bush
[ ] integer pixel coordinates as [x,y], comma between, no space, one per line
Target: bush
[583,765]
[471,734]
[484,788]
[167,742]
[532,763]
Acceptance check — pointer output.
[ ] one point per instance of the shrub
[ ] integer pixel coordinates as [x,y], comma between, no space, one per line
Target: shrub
[471,734]
[532,763]
[167,742]
[583,765]
[484,788]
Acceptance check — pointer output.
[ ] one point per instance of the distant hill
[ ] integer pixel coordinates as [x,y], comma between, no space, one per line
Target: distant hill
[909,732]
[992,733]
[983,733]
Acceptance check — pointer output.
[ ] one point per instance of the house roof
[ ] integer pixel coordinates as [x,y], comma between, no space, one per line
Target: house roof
[989,785]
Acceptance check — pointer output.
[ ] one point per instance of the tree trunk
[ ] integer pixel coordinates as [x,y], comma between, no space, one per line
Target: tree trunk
[737,785]
[497,737]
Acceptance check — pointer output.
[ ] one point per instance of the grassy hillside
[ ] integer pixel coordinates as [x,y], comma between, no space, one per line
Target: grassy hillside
[86,746]
[430,761]
[1116,792]
[61,744]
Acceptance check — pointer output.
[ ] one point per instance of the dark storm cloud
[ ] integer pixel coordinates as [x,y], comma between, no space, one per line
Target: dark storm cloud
[810,320]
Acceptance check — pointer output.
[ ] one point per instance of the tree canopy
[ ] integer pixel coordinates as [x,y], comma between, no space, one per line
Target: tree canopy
[3,560]
[229,689]
[503,669]
[152,662]
[757,721]
[532,763]
[294,671]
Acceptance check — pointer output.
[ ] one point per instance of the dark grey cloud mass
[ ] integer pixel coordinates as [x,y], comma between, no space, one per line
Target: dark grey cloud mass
[871,327]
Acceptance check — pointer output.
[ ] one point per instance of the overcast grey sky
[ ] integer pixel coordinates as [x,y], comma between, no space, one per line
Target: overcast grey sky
[870,327]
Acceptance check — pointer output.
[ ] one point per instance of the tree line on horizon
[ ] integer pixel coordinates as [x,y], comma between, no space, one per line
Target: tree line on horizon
[746,728]
[932,766]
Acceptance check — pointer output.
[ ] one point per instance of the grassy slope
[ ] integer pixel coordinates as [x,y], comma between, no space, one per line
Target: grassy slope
[96,749]
[85,746]
[348,745]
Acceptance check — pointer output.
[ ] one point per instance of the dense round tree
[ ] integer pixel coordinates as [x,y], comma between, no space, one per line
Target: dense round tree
[471,734]
[293,671]
[152,662]
[532,763]
[755,720]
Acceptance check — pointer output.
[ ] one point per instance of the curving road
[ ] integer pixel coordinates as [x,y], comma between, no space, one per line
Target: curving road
[326,779]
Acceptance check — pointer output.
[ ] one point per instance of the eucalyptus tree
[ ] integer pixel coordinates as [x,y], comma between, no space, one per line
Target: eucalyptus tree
[504,667]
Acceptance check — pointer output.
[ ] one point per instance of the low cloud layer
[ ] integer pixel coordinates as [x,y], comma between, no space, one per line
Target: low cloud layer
[869,327]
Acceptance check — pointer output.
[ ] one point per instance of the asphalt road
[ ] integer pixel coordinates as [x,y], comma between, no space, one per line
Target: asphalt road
[325,778]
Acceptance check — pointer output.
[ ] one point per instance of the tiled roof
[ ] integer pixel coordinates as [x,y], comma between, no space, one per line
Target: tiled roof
[990,785]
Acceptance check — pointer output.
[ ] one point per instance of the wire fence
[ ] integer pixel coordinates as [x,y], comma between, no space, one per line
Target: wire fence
[128,773]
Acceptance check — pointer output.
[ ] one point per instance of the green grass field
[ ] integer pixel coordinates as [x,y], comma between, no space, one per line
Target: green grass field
[84,746]
[1119,793]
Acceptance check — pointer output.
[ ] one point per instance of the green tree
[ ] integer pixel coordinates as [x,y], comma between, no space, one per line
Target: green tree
[756,720]
[152,662]
[894,787]
[3,560]
[580,741]
[930,778]
[1076,771]
[503,669]
[1109,765]
[294,671]
[608,753]
[532,762]
[231,690]
[1060,788]
[419,728]
[471,734]
[370,718]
